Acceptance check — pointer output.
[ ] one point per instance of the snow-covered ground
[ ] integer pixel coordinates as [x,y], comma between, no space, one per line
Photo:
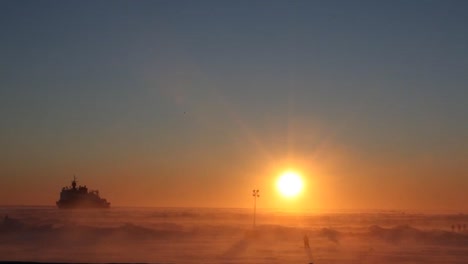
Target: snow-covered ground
[194,235]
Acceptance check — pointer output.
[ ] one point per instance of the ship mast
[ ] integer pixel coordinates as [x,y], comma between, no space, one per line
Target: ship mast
[74,182]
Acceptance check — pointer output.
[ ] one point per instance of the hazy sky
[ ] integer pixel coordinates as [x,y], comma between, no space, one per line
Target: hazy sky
[195,103]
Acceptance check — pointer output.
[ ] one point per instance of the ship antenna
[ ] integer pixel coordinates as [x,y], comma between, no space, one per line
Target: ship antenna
[74,182]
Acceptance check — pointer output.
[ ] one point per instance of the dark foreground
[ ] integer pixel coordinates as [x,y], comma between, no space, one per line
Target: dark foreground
[212,236]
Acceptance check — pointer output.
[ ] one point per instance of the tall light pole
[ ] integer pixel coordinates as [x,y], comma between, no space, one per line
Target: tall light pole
[255,195]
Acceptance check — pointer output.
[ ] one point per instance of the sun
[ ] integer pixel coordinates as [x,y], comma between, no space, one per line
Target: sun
[289,184]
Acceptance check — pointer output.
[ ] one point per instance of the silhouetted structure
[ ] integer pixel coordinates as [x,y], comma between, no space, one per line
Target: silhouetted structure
[255,194]
[306,241]
[73,197]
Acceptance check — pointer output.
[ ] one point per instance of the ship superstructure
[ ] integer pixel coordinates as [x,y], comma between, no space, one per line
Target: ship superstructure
[79,197]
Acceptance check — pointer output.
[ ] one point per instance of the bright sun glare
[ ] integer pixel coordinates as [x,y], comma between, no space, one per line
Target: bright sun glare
[289,184]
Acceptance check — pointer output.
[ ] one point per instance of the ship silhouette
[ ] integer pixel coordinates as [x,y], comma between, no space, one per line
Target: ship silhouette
[72,197]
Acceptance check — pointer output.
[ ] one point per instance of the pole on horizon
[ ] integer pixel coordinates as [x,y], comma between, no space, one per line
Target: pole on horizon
[255,195]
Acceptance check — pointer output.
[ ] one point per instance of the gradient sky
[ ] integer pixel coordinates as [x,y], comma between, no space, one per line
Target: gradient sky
[195,103]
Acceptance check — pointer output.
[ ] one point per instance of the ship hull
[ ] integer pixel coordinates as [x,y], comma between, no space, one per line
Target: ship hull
[82,204]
